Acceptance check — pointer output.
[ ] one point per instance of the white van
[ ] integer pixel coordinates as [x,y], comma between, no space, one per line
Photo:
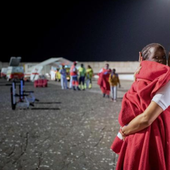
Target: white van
[15,72]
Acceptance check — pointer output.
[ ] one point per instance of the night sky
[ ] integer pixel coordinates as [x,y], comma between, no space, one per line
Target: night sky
[108,30]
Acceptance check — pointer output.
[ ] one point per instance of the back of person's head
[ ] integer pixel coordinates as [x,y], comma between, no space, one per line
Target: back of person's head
[154,52]
[107,66]
[82,65]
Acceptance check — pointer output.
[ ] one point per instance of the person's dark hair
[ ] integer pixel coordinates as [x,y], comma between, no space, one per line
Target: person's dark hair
[82,65]
[75,63]
[146,50]
[89,66]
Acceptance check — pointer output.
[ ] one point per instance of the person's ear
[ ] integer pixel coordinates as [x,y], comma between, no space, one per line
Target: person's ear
[140,57]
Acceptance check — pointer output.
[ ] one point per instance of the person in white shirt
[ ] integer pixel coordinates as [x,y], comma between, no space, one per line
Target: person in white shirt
[63,77]
[162,97]
[149,130]
[52,72]
[161,100]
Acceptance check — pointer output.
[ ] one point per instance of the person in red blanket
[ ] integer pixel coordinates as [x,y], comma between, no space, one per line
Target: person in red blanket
[103,80]
[143,142]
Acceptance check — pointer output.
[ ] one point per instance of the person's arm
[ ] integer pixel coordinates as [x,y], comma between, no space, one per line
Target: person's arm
[60,71]
[110,78]
[84,72]
[143,120]
[118,80]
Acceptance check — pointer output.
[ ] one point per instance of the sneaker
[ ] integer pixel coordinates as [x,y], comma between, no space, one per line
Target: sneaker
[74,88]
[78,88]
[114,100]
[104,94]
[108,96]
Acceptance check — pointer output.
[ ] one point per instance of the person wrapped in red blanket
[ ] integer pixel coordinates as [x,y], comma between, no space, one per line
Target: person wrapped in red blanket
[144,141]
[103,80]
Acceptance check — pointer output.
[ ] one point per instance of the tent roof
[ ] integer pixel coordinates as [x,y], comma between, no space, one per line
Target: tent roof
[54,62]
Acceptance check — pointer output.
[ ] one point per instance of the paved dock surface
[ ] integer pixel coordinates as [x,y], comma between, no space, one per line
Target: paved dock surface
[65,130]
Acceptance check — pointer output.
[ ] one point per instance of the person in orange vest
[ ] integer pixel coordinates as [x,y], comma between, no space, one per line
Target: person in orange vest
[103,80]
[74,74]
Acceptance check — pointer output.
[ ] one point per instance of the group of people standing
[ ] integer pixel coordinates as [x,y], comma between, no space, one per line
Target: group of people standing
[108,81]
[80,79]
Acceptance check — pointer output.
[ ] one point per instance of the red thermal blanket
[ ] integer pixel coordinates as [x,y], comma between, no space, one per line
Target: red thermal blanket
[148,149]
[103,80]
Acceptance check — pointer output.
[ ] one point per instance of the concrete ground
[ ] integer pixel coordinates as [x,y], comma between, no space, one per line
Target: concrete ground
[65,130]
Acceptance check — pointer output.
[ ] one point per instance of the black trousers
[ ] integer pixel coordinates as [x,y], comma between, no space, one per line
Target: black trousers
[81,80]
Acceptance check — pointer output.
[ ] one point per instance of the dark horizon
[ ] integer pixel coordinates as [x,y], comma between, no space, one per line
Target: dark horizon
[84,31]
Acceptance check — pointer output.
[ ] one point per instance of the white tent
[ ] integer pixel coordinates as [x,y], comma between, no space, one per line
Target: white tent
[45,67]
